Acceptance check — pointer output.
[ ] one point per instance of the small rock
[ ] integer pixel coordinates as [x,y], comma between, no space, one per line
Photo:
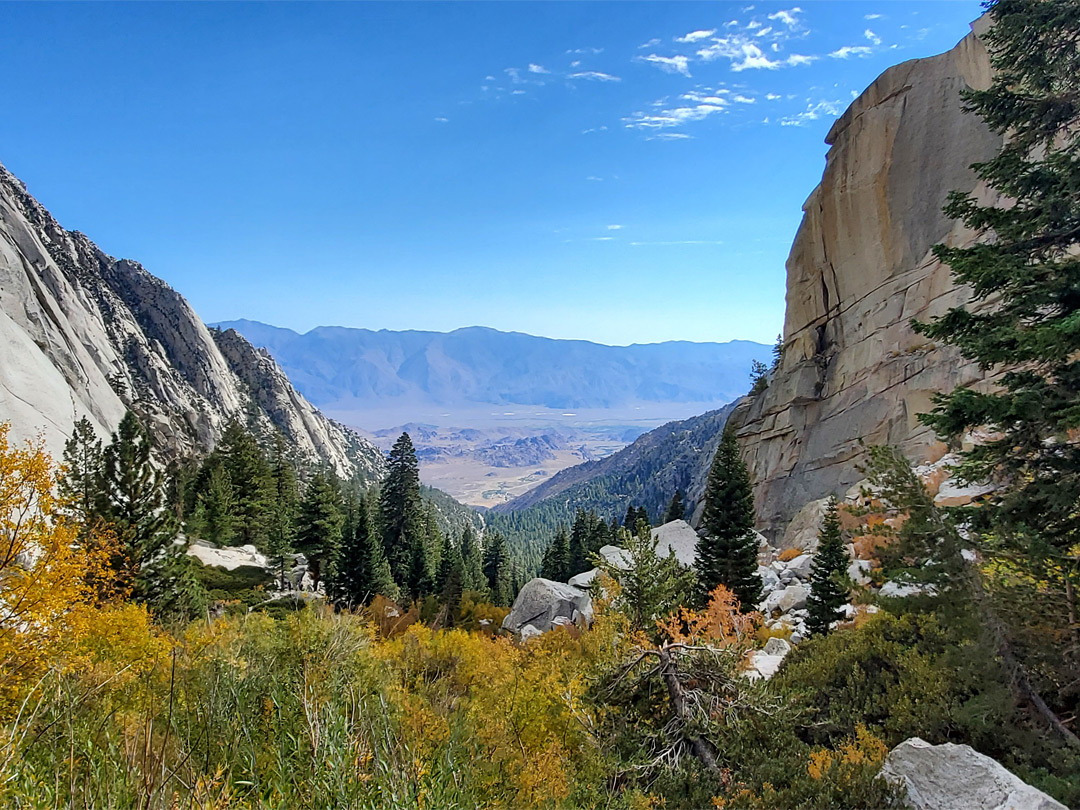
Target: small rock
[792,598]
[859,572]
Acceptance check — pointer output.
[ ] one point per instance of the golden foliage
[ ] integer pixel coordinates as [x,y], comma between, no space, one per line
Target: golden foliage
[864,750]
[49,578]
[720,625]
[789,554]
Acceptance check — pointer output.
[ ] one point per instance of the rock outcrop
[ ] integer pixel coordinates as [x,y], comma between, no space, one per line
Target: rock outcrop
[957,777]
[860,269]
[543,605]
[84,334]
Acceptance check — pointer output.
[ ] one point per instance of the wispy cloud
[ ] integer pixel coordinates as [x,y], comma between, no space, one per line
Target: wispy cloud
[652,43]
[594,75]
[851,50]
[680,242]
[739,99]
[514,74]
[800,59]
[675,116]
[872,17]
[442,120]
[669,136]
[614,227]
[813,112]
[696,36]
[870,35]
[534,68]
[586,50]
[787,17]
[668,64]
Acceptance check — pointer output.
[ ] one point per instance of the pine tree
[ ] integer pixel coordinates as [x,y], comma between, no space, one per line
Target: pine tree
[759,377]
[215,508]
[319,526]
[778,351]
[556,565]
[132,499]
[1025,279]
[497,569]
[80,485]
[252,483]
[727,549]
[284,506]
[472,558]
[829,585]
[675,510]
[361,571]
[401,511]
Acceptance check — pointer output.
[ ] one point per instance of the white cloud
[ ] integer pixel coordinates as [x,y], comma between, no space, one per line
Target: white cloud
[695,36]
[669,136]
[851,50]
[575,63]
[517,92]
[514,74]
[743,54]
[668,64]
[681,242]
[744,100]
[442,120]
[602,238]
[870,35]
[750,26]
[673,117]
[594,129]
[787,17]
[534,68]
[586,50]
[764,32]
[594,75]
[595,179]
[799,59]
[812,113]
[652,43]
[772,97]
[872,17]
[614,227]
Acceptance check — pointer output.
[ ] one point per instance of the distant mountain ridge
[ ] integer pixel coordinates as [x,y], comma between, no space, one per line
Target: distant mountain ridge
[343,368]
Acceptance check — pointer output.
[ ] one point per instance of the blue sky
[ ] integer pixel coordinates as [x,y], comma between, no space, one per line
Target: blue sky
[619,172]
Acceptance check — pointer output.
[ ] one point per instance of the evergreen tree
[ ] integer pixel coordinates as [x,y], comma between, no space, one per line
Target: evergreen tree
[1025,279]
[759,377]
[450,581]
[675,510]
[284,506]
[320,524]
[778,351]
[651,586]
[497,569]
[401,512]
[132,499]
[727,549]
[556,565]
[472,558]
[252,484]
[80,485]
[361,571]
[829,585]
[215,519]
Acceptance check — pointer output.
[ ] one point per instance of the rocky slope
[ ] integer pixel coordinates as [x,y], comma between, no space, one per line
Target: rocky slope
[860,269]
[84,334]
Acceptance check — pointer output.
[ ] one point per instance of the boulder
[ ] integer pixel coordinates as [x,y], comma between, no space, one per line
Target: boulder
[777,646]
[615,557]
[763,664]
[801,566]
[899,590]
[792,598]
[859,572]
[227,558]
[584,580]
[957,777]
[542,601]
[678,537]
[769,580]
[953,493]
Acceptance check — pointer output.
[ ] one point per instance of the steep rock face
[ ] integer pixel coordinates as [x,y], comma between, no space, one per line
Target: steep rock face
[860,269]
[84,334]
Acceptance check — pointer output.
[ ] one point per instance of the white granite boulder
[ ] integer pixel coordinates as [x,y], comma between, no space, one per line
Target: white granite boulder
[542,602]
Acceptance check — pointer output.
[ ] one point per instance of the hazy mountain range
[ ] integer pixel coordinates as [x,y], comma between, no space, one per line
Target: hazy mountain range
[340,368]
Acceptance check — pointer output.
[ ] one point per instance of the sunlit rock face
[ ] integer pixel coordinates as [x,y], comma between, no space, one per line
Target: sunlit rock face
[84,334]
[860,269]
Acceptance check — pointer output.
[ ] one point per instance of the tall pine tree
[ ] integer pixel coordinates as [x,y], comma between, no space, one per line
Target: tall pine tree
[675,510]
[320,524]
[829,585]
[727,549]
[401,513]
[556,564]
[80,485]
[1025,278]
[497,569]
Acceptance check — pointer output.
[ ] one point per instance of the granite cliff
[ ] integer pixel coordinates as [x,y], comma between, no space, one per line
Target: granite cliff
[84,334]
[859,270]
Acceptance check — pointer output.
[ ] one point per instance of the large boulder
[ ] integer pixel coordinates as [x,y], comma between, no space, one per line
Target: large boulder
[678,537]
[542,603]
[957,777]
[802,533]
[229,558]
[793,597]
